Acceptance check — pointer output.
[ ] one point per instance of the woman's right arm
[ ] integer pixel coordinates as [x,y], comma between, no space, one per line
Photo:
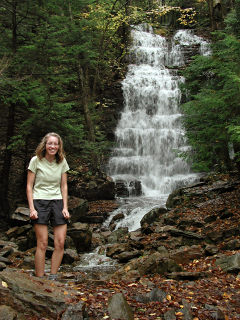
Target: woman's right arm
[30,182]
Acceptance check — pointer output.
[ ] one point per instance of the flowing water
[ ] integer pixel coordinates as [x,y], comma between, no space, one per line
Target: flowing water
[149,135]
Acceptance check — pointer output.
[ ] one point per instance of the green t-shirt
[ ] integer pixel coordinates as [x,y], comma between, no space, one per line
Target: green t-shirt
[47,184]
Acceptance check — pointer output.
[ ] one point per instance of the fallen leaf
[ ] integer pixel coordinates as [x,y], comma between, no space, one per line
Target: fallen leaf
[178,313]
[132,284]
[4,284]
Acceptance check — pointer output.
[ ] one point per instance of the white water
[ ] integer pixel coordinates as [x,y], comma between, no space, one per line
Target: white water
[149,134]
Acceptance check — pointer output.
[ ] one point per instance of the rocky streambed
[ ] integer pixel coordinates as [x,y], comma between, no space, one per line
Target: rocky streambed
[183,262]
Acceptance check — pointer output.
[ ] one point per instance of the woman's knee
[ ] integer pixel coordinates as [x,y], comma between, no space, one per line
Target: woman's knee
[42,245]
[59,244]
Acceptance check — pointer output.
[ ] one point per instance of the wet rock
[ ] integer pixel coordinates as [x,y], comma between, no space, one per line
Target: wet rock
[33,296]
[117,235]
[174,199]
[7,313]
[75,312]
[97,240]
[135,188]
[230,264]
[116,249]
[152,216]
[100,187]
[77,208]
[117,217]
[121,189]
[186,254]
[126,256]
[118,308]
[69,256]
[81,236]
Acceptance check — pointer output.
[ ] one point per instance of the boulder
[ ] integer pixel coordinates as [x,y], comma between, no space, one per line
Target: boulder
[118,308]
[117,235]
[127,255]
[81,236]
[32,296]
[116,249]
[20,216]
[186,254]
[156,295]
[100,187]
[155,263]
[152,216]
[69,256]
[8,313]
[230,264]
[77,208]
[75,312]
[16,231]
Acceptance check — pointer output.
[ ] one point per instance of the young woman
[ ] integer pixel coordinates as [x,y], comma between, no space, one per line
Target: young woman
[47,194]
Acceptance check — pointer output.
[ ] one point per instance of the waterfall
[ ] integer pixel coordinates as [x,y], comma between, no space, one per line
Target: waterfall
[149,135]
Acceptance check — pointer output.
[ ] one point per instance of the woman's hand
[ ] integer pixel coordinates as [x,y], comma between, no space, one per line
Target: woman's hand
[33,214]
[65,213]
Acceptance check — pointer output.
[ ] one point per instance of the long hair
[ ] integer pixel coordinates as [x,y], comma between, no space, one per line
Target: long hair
[41,148]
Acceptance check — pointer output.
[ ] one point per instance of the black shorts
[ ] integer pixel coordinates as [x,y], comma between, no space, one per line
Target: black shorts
[49,210]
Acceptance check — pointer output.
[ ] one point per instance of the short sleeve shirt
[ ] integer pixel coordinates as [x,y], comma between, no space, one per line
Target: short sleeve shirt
[47,184]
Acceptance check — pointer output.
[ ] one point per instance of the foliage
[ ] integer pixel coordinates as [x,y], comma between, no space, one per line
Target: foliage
[212,112]
[58,54]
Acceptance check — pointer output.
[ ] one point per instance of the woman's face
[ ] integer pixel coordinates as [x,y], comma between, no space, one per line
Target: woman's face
[52,146]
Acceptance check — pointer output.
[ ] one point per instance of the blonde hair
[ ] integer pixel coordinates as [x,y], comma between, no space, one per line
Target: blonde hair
[41,148]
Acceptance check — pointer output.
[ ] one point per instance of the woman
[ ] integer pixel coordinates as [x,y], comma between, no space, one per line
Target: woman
[47,195]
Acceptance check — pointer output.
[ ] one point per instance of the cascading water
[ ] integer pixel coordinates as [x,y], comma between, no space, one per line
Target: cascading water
[149,134]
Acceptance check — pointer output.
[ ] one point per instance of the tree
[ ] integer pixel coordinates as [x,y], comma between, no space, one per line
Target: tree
[212,112]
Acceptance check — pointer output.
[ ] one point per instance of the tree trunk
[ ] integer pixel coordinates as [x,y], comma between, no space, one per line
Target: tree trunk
[210,11]
[7,161]
[84,90]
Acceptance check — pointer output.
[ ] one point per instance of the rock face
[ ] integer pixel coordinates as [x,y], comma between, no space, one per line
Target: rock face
[30,296]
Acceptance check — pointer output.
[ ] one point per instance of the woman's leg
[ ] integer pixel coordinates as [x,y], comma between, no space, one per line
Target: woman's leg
[41,231]
[59,240]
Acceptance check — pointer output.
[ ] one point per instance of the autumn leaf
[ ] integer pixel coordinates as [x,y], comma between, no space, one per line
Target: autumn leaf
[132,285]
[4,284]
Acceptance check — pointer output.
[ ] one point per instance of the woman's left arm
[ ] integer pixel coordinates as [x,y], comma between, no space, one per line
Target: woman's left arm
[64,190]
